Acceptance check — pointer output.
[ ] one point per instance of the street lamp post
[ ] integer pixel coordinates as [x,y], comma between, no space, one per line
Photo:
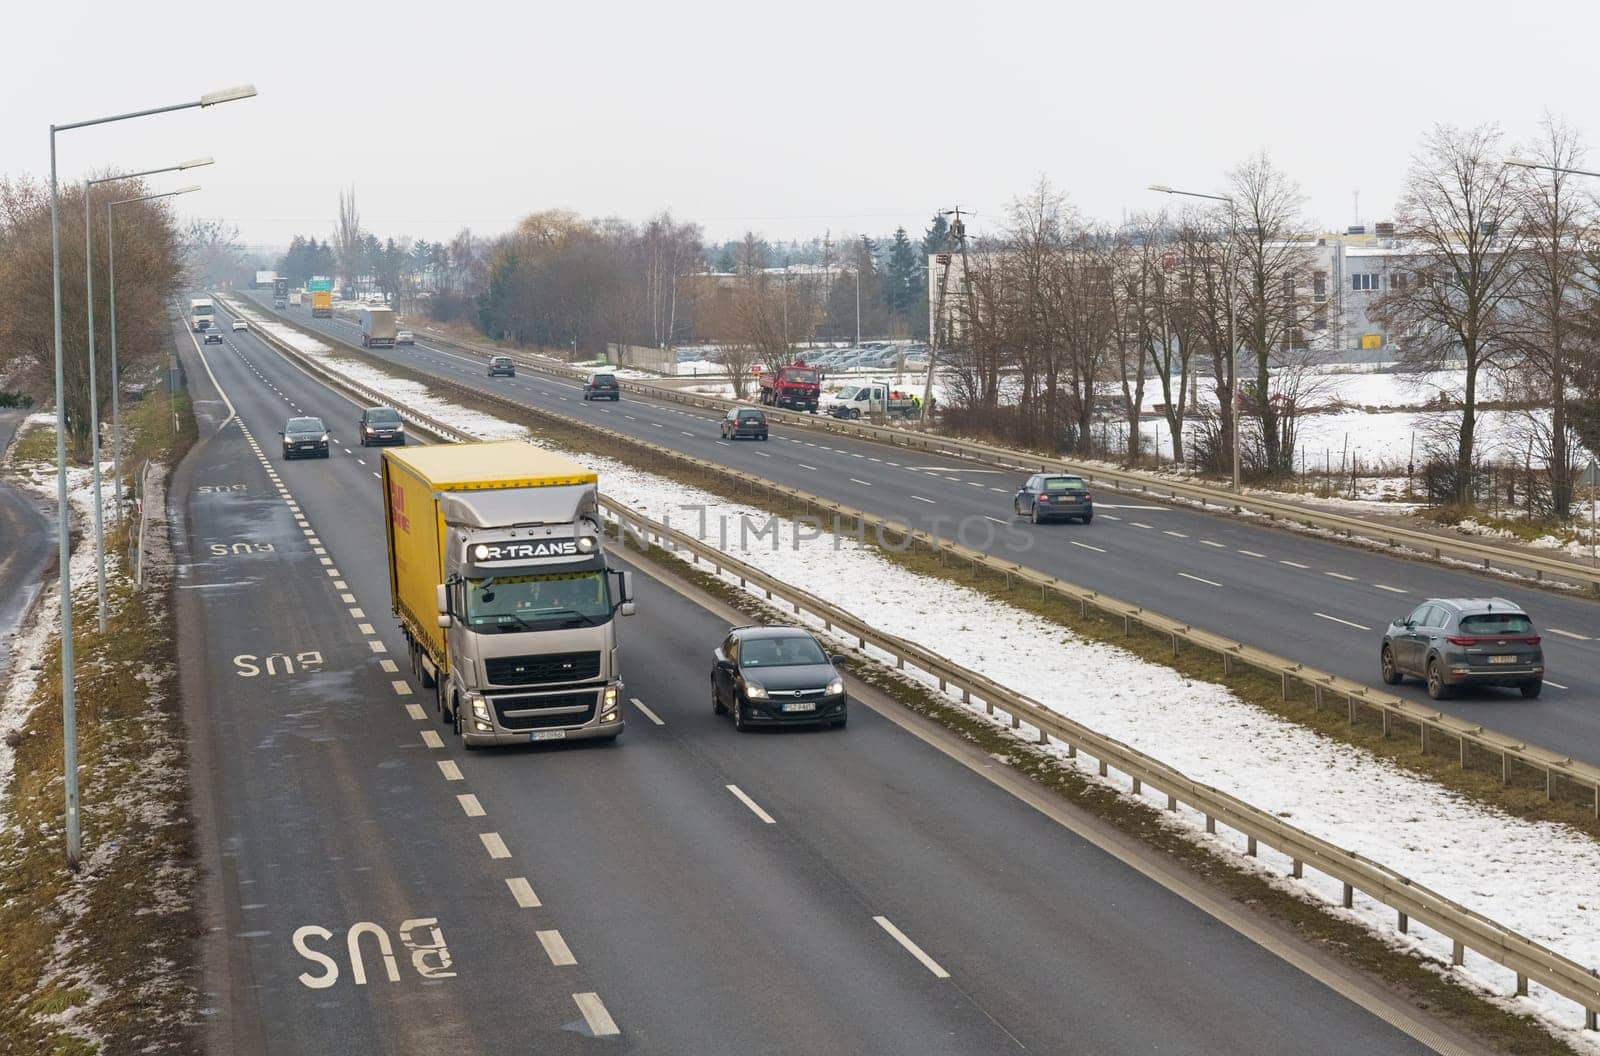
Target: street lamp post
[111,293]
[1233,334]
[94,378]
[69,718]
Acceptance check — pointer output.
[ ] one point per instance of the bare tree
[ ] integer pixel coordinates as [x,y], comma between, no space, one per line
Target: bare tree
[1458,216]
[1156,292]
[349,243]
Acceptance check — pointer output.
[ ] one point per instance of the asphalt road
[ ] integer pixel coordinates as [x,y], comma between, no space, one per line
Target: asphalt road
[896,901]
[1309,599]
[27,537]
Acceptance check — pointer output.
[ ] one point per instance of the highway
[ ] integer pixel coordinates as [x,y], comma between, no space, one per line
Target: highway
[27,539]
[686,889]
[1312,600]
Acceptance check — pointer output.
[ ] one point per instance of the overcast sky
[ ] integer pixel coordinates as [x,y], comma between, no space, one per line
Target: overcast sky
[786,119]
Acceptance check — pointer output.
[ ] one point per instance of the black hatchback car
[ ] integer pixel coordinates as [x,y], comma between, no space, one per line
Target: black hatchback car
[304,438]
[776,676]
[502,366]
[1453,642]
[381,425]
[1054,497]
[744,421]
[602,387]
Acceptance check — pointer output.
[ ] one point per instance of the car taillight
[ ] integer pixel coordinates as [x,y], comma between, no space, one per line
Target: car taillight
[1462,641]
[1532,639]
[1087,497]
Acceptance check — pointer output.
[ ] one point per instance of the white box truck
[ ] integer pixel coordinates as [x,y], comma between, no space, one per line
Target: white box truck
[377,327]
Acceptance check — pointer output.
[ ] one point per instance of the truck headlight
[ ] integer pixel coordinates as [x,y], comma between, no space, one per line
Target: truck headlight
[755,691]
[835,687]
[586,544]
[480,552]
[610,700]
[480,705]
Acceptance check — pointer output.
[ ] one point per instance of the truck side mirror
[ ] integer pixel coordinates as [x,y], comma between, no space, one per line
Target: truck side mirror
[445,620]
[441,598]
[627,586]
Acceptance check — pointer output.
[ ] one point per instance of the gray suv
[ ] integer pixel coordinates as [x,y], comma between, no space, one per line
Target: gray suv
[1451,642]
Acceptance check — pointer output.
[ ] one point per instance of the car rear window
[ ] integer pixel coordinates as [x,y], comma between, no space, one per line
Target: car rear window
[604,380]
[1063,484]
[757,415]
[1497,623]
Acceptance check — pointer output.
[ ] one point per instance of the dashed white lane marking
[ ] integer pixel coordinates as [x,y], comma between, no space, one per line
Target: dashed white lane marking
[1336,619]
[863,483]
[416,712]
[996,520]
[365,628]
[1292,564]
[974,484]
[555,947]
[912,948]
[431,739]
[1391,590]
[919,498]
[1109,516]
[378,647]
[1175,535]
[652,716]
[1197,579]
[449,769]
[494,845]
[1208,542]
[1141,524]
[389,665]
[522,891]
[325,560]
[1568,634]
[802,465]
[470,805]
[1341,575]
[755,807]
[594,1013]
[1554,685]
[402,688]
[333,573]
[348,599]
[357,613]
[1086,546]
[1251,553]
[1001,491]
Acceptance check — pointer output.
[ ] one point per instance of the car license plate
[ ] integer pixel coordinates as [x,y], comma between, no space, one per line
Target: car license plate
[1503,659]
[548,735]
[800,705]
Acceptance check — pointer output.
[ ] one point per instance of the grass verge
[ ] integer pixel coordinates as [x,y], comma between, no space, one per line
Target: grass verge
[105,956]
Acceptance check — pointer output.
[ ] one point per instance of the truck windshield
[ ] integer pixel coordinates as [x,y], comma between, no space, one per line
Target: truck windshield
[520,603]
[802,377]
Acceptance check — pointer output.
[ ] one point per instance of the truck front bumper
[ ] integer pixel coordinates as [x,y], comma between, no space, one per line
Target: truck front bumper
[477,738]
[513,718]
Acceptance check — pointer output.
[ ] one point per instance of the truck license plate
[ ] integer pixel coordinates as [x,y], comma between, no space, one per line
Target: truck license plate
[548,735]
[801,705]
[1502,659]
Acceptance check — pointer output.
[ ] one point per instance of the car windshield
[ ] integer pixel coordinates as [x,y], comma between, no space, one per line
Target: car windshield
[1497,623]
[383,416]
[305,425]
[780,652]
[1063,484]
[847,394]
[512,603]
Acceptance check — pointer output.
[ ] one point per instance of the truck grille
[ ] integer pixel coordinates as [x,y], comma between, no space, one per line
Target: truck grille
[543,712]
[537,670]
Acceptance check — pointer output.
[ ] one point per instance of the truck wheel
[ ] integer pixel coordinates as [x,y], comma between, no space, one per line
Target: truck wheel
[855,412]
[455,717]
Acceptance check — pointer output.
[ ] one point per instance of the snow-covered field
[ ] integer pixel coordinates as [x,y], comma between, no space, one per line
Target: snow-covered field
[1539,879]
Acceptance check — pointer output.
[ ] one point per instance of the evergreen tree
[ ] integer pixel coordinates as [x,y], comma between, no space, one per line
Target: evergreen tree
[902,287]
[933,239]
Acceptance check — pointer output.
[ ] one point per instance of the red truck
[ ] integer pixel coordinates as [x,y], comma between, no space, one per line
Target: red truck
[795,386]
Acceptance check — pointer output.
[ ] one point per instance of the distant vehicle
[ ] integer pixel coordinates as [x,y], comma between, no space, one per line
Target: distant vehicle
[404,337]
[857,400]
[321,304]
[797,386]
[381,425]
[280,288]
[202,313]
[279,302]
[502,366]
[304,438]
[295,298]
[240,324]
[265,279]
[1452,642]
[1054,497]
[777,676]
[502,587]
[377,327]
[602,387]
[744,421]
[212,336]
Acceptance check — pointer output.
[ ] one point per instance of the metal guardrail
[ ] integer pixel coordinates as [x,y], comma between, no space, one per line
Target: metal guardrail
[1488,555]
[1324,687]
[1466,928]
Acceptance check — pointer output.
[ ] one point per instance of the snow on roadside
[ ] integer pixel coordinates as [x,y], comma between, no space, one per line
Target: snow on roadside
[1539,879]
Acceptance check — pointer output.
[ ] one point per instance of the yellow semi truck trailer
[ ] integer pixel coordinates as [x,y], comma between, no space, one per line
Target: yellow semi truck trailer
[500,582]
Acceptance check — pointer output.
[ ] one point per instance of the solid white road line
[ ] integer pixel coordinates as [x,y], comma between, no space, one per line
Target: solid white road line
[1086,546]
[1391,590]
[522,891]
[1568,634]
[919,498]
[431,739]
[1336,619]
[416,712]
[494,845]
[652,716]
[1341,575]
[555,947]
[594,1013]
[450,770]
[1554,685]
[470,805]
[1292,564]
[752,804]
[912,948]
[1197,579]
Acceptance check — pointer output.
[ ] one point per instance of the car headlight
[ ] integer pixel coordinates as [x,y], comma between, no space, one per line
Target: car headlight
[835,687]
[755,691]
[400,427]
[324,437]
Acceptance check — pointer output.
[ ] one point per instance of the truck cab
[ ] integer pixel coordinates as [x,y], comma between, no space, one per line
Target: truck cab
[796,386]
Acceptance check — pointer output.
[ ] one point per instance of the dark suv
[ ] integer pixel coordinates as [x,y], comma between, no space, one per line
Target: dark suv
[1047,497]
[602,387]
[381,425]
[502,366]
[304,437]
[774,676]
[744,421]
[1453,642]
